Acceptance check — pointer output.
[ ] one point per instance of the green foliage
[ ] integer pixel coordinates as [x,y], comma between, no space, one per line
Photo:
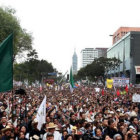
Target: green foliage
[98,68]
[32,70]
[10,24]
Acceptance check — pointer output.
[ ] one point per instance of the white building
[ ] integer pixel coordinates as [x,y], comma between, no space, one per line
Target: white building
[88,56]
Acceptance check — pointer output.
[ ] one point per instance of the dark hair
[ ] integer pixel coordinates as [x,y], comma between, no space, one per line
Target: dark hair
[132,118]
[71,114]
[97,129]
[135,107]
[68,137]
[87,125]
[64,131]
[130,135]
[50,134]
[110,121]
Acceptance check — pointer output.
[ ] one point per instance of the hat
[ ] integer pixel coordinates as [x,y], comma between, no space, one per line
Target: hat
[133,114]
[116,135]
[35,121]
[111,112]
[121,114]
[118,110]
[74,128]
[51,125]
[6,129]
[34,137]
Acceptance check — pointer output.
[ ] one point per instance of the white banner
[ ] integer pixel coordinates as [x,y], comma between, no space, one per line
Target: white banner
[119,81]
[41,114]
[97,89]
[136,98]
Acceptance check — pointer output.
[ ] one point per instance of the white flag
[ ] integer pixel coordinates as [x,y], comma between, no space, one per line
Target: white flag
[15,123]
[136,98]
[41,114]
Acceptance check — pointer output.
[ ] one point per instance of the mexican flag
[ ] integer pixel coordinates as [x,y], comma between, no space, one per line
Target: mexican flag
[6,64]
[71,81]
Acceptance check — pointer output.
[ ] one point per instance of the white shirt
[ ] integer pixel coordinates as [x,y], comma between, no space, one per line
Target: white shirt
[57,136]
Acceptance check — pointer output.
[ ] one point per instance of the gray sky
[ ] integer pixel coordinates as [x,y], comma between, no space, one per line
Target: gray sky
[59,26]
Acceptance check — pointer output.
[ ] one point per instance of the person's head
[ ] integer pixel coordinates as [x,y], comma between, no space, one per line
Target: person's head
[10,124]
[83,115]
[48,119]
[111,123]
[135,108]
[98,132]
[21,135]
[50,136]
[7,131]
[23,129]
[73,117]
[51,127]
[117,137]
[67,112]
[105,122]
[100,115]
[69,137]
[133,137]
[52,115]
[56,121]
[134,120]
[65,133]
[3,120]
[35,123]
[12,139]
[121,128]
[96,117]
[88,126]
[107,137]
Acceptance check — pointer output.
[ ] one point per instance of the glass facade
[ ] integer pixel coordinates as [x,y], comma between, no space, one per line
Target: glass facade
[120,50]
[129,44]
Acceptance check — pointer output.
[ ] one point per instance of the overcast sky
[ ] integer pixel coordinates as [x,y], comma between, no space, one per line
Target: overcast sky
[59,26]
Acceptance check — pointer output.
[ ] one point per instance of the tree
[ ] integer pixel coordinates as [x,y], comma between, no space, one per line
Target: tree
[98,68]
[32,70]
[10,24]
[32,55]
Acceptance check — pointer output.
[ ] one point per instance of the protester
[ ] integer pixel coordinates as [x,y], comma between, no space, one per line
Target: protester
[85,114]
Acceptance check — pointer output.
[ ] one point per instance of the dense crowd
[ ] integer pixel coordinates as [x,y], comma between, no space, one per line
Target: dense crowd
[82,115]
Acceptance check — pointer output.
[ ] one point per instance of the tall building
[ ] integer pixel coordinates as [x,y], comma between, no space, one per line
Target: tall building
[102,52]
[123,31]
[127,49]
[89,54]
[74,63]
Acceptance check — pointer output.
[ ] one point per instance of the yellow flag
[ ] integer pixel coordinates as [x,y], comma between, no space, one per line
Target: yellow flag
[109,83]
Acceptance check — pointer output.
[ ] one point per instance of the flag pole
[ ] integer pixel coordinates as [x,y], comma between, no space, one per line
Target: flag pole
[12,107]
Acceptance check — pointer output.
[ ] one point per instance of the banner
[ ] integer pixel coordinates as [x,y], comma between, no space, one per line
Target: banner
[119,81]
[136,98]
[71,81]
[109,83]
[41,114]
[6,64]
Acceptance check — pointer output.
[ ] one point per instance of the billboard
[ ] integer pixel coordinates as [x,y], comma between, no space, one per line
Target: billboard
[119,81]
